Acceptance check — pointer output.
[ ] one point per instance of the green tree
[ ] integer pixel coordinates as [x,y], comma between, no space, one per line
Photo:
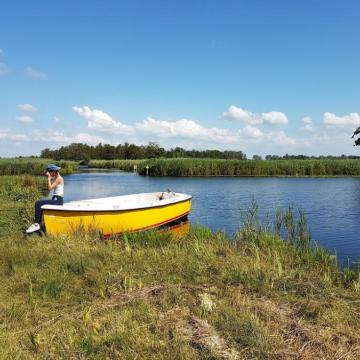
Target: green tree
[356,132]
[153,150]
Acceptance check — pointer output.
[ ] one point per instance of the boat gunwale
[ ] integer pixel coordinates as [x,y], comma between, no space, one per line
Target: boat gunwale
[51,208]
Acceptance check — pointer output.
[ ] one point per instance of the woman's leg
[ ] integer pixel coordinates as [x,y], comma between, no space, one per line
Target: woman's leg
[38,212]
[56,200]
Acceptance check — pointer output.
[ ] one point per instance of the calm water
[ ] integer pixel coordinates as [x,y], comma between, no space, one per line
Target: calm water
[332,206]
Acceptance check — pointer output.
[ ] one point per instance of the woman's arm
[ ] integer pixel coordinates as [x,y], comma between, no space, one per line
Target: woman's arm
[53,185]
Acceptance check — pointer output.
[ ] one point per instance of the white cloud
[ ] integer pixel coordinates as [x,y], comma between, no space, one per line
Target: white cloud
[271,118]
[252,132]
[27,107]
[35,74]
[153,128]
[86,138]
[25,119]
[184,131]
[8,135]
[334,120]
[100,120]
[254,135]
[161,129]
[59,137]
[308,124]
[47,136]
[307,120]
[237,113]
[280,138]
[51,136]
[183,128]
[274,117]
[56,119]
[307,127]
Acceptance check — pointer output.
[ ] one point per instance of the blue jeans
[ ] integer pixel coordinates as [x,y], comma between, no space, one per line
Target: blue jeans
[56,200]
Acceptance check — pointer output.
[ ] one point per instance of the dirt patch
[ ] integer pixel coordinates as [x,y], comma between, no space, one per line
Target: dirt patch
[199,334]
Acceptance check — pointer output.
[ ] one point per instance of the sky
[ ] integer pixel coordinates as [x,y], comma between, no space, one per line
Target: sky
[263,77]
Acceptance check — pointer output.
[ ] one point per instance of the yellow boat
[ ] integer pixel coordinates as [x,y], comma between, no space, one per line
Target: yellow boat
[114,215]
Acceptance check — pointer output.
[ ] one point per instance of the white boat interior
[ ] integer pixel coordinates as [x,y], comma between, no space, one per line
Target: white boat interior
[125,202]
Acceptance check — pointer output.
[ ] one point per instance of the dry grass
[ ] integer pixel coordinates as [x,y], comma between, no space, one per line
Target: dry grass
[85,298]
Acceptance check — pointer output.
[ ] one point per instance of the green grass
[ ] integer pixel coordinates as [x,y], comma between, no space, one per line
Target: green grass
[156,296]
[33,166]
[17,197]
[214,167]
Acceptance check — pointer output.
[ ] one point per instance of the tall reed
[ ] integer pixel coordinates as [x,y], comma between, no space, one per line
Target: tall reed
[33,166]
[217,167]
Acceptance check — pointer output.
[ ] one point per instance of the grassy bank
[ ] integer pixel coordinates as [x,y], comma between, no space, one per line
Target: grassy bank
[213,167]
[33,166]
[17,197]
[154,296]
[124,165]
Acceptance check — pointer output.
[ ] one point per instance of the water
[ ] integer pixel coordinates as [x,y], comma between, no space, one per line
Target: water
[331,206]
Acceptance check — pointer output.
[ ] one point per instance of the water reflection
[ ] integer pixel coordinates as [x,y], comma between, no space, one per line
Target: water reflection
[177,229]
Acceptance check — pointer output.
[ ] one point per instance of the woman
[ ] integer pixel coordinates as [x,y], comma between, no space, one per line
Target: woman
[55,183]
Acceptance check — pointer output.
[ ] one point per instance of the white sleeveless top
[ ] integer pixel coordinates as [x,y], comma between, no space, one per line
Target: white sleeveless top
[59,190]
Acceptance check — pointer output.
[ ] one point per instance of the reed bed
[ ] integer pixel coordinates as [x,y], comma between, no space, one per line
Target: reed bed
[33,166]
[124,165]
[155,296]
[215,167]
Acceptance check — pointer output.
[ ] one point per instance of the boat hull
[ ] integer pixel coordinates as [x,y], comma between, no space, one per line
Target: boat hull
[111,222]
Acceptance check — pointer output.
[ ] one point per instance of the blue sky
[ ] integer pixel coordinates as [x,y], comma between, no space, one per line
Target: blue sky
[259,76]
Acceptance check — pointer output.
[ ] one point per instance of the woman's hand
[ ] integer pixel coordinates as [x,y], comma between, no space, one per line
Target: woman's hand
[47,174]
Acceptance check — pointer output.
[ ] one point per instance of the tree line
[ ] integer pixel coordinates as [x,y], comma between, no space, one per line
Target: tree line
[126,151]
[306,157]
[84,152]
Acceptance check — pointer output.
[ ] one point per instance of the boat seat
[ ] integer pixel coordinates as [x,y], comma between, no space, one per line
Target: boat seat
[166,195]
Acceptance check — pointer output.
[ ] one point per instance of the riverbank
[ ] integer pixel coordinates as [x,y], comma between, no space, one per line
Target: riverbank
[181,167]
[153,296]
[266,168]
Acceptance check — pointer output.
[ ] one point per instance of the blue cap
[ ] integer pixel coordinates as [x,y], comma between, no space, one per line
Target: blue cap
[53,167]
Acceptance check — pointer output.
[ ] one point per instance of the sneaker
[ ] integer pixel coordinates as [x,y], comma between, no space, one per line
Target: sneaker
[32,228]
